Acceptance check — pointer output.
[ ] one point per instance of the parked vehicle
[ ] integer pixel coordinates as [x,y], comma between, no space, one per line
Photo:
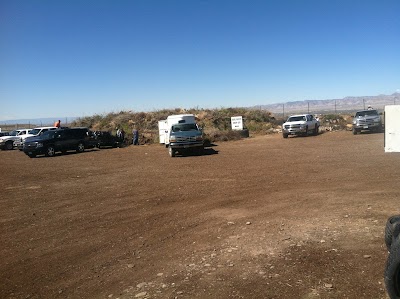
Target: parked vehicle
[301,124]
[7,142]
[180,133]
[61,140]
[392,269]
[104,138]
[367,120]
[4,134]
[32,133]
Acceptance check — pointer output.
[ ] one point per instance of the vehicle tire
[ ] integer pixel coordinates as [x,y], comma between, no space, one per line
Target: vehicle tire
[171,152]
[354,132]
[31,155]
[306,132]
[50,151]
[316,130]
[80,148]
[392,271]
[9,145]
[285,135]
[389,228]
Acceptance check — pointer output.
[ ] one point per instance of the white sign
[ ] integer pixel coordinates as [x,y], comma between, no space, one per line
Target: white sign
[237,123]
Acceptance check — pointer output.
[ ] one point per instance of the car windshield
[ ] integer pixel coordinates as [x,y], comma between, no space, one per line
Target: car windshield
[13,133]
[367,113]
[47,135]
[34,131]
[296,118]
[184,127]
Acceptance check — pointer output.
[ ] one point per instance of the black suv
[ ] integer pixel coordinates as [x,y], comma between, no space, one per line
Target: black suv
[61,140]
[104,138]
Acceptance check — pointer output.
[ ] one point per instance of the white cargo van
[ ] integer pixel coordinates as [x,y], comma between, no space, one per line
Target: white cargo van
[181,133]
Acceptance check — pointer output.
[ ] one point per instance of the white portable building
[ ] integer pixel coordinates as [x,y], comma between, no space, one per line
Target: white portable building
[392,129]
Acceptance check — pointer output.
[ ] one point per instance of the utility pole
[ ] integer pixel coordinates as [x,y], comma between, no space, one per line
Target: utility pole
[283,111]
[308,105]
[335,107]
[364,103]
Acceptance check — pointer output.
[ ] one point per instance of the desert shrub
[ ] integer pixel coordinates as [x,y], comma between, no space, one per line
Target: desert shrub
[216,123]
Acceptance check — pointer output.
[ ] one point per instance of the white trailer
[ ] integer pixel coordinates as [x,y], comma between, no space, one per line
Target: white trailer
[164,126]
[392,129]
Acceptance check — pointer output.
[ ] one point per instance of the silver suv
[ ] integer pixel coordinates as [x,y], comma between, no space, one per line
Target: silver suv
[367,120]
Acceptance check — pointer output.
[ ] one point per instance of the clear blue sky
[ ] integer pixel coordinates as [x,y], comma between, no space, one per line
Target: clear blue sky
[81,57]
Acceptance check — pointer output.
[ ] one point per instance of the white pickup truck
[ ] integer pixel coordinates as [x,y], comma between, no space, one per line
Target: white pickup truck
[301,124]
[7,142]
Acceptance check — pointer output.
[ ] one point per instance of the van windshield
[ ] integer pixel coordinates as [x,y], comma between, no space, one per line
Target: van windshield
[184,127]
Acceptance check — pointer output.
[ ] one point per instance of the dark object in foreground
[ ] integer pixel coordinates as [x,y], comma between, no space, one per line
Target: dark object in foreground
[392,270]
[104,138]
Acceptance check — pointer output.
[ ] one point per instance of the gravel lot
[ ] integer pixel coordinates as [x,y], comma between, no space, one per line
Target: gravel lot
[263,217]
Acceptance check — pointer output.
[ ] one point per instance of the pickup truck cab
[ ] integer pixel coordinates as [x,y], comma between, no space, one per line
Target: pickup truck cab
[301,124]
[32,133]
[7,142]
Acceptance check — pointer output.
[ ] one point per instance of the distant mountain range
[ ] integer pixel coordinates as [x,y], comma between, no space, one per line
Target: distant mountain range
[347,104]
[48,121]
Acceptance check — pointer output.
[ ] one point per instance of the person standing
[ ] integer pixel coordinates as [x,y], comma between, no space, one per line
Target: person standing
[135,138]
[57,124]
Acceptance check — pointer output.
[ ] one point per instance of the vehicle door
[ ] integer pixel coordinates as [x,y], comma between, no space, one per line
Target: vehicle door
[310,122]
[60,141]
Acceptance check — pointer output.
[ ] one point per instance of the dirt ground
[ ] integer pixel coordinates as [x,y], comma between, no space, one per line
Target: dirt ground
[263,217]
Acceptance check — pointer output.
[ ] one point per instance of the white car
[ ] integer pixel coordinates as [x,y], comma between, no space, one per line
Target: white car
[32,133]
[7,142]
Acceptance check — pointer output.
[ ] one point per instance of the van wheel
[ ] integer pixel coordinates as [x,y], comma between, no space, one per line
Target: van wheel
[171,152]
[50,151]
[9,145]
[354,132]
[285,135]
[80,148]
